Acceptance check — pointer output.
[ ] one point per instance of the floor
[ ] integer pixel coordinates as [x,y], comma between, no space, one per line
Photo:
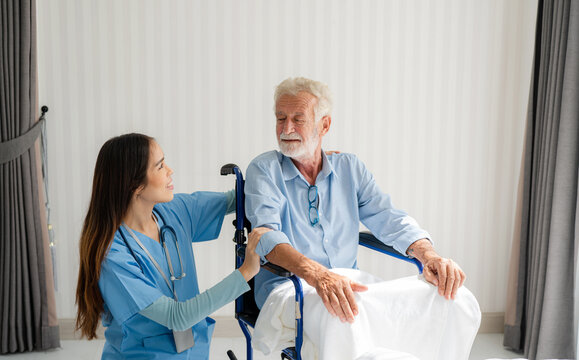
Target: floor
[486,346]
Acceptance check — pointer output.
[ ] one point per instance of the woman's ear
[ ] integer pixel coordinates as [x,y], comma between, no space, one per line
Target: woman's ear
[139,191]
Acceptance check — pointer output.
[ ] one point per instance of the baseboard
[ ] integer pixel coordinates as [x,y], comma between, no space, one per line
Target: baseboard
[492,322]
[226,326]
[67,330]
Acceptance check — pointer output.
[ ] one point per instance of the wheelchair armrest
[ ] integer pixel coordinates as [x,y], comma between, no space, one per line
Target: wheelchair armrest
[368,240]
[276,269]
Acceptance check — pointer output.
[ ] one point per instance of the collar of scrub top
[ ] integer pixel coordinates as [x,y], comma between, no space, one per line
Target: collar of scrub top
[168,257]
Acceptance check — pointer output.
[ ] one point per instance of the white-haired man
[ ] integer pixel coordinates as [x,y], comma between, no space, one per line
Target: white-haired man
[314,202]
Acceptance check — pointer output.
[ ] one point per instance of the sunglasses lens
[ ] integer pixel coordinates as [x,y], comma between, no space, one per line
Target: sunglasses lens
[313,202]
[314,216]
[312,194]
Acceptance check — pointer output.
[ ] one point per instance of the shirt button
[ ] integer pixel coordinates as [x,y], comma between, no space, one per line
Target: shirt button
[326,240]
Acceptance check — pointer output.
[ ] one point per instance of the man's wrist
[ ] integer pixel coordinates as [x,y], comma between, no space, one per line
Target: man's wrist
[312,271]
[422,250]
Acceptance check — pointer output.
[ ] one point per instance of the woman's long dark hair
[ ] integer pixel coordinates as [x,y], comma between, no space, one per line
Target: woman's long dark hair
[120,169]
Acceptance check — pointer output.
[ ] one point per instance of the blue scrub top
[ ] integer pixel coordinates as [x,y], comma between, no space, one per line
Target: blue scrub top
[129,285]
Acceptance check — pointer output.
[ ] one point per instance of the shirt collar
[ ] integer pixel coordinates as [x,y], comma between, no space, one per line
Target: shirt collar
[290,171]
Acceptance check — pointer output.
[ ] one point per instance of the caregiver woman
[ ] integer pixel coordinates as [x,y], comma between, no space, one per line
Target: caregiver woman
[137,270]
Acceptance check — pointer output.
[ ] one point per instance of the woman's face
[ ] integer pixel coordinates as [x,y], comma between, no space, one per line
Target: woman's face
[159,186]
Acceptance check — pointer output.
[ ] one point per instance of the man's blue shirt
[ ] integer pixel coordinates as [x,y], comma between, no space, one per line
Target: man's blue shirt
[276,196]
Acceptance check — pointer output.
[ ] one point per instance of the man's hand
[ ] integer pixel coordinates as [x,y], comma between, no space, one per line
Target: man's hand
[441,272]
[446,274]
[337,293]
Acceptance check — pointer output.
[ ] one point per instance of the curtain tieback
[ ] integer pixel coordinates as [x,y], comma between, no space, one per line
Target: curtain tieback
[12,149]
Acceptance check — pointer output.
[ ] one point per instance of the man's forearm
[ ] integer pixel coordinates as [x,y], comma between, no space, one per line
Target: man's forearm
[290,259]
[336,291]
[422,250]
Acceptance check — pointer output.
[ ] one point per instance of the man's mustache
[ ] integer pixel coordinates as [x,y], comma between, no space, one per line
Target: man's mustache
[293,136]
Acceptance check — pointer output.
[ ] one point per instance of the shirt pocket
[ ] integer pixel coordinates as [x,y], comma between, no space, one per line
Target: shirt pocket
[160,343]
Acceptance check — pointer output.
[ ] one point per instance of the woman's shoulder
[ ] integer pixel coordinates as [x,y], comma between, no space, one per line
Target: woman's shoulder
[191,206]
[118,249]
[184,202]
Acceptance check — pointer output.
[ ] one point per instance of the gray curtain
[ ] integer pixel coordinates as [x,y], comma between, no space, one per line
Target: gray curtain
[539,315]
[27,309]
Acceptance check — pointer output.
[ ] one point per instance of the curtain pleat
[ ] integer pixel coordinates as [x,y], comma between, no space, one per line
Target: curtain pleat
[26,292]
[540,306]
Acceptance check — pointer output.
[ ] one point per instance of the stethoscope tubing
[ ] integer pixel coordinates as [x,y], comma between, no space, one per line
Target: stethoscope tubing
[162,231]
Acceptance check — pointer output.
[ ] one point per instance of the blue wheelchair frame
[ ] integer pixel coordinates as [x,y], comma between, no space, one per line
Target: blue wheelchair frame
[246,310]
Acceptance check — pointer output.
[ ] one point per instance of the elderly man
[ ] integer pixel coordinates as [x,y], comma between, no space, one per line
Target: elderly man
[313,202]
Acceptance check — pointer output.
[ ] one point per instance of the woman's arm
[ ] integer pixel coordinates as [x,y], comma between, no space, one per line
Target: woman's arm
[180,316]
[230,201]
[177,315]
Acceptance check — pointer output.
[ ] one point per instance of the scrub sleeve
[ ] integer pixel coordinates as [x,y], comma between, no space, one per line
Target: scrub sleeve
[129,285]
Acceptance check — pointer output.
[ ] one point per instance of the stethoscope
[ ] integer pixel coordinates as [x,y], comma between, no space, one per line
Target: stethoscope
[183,339]
[162,232]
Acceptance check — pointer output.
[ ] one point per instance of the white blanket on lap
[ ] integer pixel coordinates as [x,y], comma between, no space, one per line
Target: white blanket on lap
[398,319]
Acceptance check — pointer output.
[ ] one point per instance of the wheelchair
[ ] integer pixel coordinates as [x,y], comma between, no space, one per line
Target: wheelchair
[246,311]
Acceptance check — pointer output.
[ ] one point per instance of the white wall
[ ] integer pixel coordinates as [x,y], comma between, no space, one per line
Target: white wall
[431,95]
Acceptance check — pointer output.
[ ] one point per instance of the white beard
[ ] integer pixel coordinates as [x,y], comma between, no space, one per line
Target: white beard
[298,150]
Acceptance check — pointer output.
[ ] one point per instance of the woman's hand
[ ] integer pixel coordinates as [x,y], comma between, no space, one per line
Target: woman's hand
[251,264]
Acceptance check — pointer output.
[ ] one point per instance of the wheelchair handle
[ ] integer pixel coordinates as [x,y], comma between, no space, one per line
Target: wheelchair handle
[239,222]
[228,169]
